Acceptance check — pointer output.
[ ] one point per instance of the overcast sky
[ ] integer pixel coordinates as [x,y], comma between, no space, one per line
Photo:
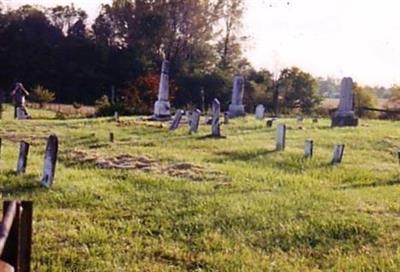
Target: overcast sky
[335,38]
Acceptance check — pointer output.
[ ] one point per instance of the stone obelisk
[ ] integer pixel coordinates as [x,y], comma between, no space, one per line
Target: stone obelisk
[236,108]
[345,116]
[162,106]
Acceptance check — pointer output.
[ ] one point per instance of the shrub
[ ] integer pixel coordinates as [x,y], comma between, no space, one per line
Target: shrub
[42,95]
[105,108]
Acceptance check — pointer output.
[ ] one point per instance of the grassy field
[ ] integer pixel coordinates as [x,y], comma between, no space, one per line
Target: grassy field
[191,203]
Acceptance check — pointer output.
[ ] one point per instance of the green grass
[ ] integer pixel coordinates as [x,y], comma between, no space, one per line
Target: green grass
[249,209]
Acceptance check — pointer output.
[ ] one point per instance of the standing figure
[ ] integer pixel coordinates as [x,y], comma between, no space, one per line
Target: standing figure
[18,95]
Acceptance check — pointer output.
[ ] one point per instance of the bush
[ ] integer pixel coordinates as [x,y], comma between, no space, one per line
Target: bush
[105,108]
[365,97]
[42,95]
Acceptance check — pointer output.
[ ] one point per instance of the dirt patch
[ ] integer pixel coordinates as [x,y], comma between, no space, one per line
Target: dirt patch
[32,139]
[127,162]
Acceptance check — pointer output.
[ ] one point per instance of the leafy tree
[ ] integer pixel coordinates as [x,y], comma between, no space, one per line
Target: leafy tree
[298,90]
[365,97]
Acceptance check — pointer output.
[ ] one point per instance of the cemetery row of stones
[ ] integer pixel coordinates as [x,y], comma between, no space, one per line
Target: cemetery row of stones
[50,160]
[345,115]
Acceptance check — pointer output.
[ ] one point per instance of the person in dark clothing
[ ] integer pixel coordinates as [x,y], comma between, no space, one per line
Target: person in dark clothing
[18,94]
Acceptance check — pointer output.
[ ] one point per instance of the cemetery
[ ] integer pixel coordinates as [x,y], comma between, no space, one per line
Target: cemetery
[162,198]
[168,149]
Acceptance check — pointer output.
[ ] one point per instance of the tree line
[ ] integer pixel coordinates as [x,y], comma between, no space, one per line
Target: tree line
[123,48]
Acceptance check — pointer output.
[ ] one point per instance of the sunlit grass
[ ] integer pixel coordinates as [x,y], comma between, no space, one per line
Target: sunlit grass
[263,211]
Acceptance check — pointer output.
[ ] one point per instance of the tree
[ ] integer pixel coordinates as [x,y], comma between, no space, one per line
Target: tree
[365,97]
[68,19]
[230,14]
[298,90]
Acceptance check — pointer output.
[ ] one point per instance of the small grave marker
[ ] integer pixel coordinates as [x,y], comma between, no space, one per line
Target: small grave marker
[116,116]
[226,118]
[177,120]
[215,125]
[338,154]
[270,123]
[280,137]
[260,112]
[50,161]
[195,121]
[23,157]
[111,137]
[309,149]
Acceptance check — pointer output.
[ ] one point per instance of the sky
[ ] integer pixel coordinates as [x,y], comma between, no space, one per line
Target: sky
[335,38]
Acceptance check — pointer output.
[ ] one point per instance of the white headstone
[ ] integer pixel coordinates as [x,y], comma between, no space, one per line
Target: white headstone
[177,120]
[162,106]
[236,108]
[215,125]
[21,113]
[260,112]
[195,121]
[338,152]
[280,137]
[309,149]
[116,116]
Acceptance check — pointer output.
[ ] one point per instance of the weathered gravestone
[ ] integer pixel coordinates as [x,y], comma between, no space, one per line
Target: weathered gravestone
[270,123]
[21,113]
[177,119]
[215,125]
[260,112]
[116,116]
[162,106]
[345,116]
[195,121]
[50,161]
[338,152]
[299,119]
[236,108]
[23,157]
[226,118]
[280,137]
[111,136]
[189,117]
[309,149]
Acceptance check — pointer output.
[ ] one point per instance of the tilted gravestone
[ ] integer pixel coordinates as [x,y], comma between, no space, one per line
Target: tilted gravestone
[23,157]
[162,107]
[280,137]
[236,108]
[338,152]
[309,149]
[260,112]
[345,116]
[195,121]
[215,125]
[50,161]
[177,119]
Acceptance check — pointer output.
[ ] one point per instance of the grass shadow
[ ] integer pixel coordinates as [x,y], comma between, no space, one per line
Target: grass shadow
[19,185]
[370,185]
[244,155]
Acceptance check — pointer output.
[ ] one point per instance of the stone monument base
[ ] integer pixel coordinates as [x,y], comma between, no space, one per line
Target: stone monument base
[162,110]
[345,120]
[236,111]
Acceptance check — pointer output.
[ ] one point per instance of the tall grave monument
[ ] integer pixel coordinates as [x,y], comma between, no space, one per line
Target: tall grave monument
[162,106]
[236,108]
[345,116]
